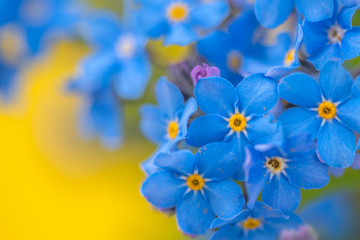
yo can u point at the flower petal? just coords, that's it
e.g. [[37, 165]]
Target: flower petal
[[331, 52], [180, 34], [207, 129], [180, 161], [355, 90], [193, 214], [169, 98], [189, 109], [351, 43], [348, 113], [210, 14], [315, 11], [271, 13], [262, 130], [300, 121], [257, 95], [307, 173], [256, 176], [335, 81], [225, 198], [153, 123], [227, 233], [336, 144], [162, 189], [345, 17], [216, 161], [281, 195], [216, 95], [300, 89], [133, 78]]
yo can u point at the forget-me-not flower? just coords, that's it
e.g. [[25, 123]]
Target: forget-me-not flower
[[332, 38], [167, 123], [280, 171], [238, 115], [327, 112], [197, 186], [180, 21]]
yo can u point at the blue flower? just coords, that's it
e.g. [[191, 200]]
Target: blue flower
[[237, 115], [180, 21], [327, 112], [27, 28], [261, 222], [291, 59], [123, 51], [197, 186], [272, 13], [280, 171], [101, 111], [167, 123], [332, 38], [350, 2], [247, 48]]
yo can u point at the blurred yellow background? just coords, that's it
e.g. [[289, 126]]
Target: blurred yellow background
[[55, 185]]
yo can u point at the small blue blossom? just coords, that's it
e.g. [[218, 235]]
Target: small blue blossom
[[261, 222], [197, 186], [180, 21], [167, 123], [291, 60], [101, 112], [327, 112], [247, 48], [237, 115], [272, 13], [123, 47], [280, 171], [332, 38]]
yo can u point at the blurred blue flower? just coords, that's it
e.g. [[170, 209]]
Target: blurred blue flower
[[101, 111], [180, 21], [197, 186], [261, 222], [123, 51], [167, 123], [327, 112], [272, 13], [350, 2], [280, 171], [237, 115], [247, 48], [27, 28], [332, 38]]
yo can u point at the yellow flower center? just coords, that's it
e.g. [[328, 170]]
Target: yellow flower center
[[327, 110], [251, 223], [195, 182], [237, 122], [289, 57], [234, 61], [173, 129], [177, 12], [275, 164]]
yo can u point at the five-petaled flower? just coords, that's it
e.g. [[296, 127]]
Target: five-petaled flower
[[327, 112], [197, 186]]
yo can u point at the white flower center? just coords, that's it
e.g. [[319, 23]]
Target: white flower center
[[126, 46]]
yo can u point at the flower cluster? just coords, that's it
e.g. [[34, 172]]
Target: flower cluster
[[275, 115], [259, 108]]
